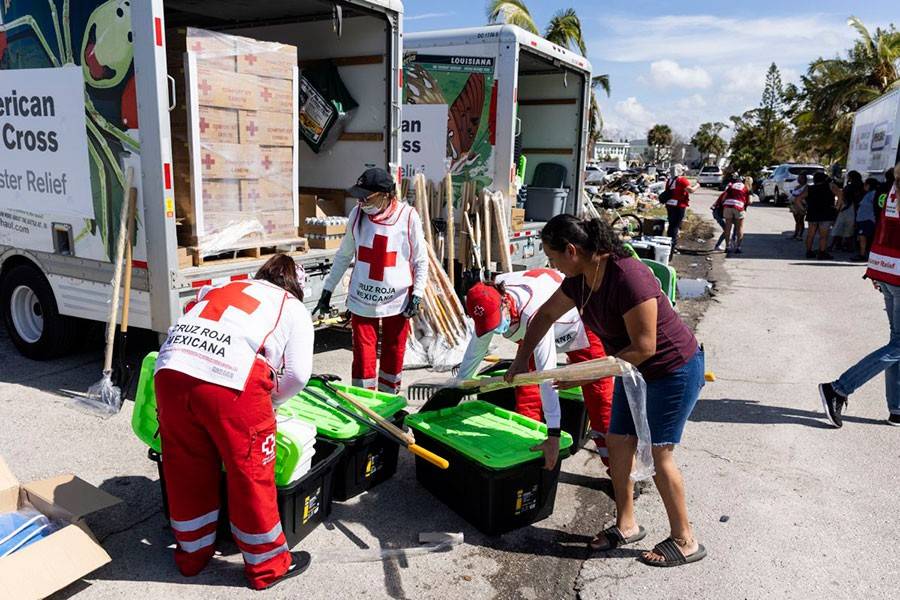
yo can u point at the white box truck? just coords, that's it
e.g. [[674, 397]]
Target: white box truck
[[85, 93], [875, 141], [508, 93]]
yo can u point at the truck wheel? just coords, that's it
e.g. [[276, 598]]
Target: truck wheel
[[31, 316]]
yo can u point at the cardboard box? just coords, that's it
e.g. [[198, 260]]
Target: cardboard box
[[326, 243], [324, 229], [224, 89], [266, 194], [516, 218], [237, 161], [267, 128], [278, 224], [276, 163], [266, 58], [273, 94], [321, 206], [216, 50], [66, 555], [216, 125], [221, 195]]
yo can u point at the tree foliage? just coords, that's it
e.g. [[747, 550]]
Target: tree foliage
[[660, 138], [514, 12], [708, 140]]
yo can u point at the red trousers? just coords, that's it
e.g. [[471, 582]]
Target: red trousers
[[394, 331], [597, 396], [203, 426]]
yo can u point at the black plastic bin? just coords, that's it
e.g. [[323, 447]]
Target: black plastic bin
[[367, 461], [493, 500], [302, 505]]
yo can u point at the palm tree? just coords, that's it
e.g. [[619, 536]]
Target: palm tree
[[659, 138], [564, 29], [834, 89]]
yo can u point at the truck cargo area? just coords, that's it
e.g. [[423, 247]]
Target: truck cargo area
[[549, 128]]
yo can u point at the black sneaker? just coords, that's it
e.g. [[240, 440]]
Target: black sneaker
[[299, 563], [833, 403], [824, 256], [894, 419], [810, 254]]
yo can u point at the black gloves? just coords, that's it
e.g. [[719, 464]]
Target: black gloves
[[324, 305], [412, 307]]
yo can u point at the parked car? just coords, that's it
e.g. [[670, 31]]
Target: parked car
[[783, 180], [710, 176]]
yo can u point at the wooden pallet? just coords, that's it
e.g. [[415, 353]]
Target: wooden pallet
[[291, 246]]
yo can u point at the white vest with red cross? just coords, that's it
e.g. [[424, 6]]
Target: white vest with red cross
[[884, 258], [531, 289], [219, 339], [736, 195], [382, 274]]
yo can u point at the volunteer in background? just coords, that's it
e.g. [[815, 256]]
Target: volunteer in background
[[735, 199], [621, 301], [798, 206], [506, 307], [820, 214], [883, 259], [680, 190], [865, 219], [385, 239], [240, 348]]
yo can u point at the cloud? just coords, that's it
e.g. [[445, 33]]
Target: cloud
[[691, 102], [709, 39], [431, 15], [668, 73], [627, 118]]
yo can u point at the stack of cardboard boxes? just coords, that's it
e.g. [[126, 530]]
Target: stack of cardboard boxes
[[314, 208], [234, 140]]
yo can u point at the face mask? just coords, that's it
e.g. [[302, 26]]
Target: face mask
[[370, 209], [503, 327]]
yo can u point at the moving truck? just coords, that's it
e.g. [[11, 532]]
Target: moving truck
[[875, 141], [86, 93], [508, 93]]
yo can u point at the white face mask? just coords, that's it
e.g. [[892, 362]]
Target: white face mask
[[371, 209]]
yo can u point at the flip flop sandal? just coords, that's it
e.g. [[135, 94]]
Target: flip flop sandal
[[614, 538], [671, 552]]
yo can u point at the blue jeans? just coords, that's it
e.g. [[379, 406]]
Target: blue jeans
[[670, 401], [886, 358], [675, 216]]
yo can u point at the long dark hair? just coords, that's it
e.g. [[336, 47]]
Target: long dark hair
[[282, 271], [592, 236]]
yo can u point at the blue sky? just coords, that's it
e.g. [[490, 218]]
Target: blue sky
[[684, 63]]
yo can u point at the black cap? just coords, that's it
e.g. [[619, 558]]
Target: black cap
[[371, 182]]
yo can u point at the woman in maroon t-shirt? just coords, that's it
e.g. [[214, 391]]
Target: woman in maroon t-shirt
[[621, 301]]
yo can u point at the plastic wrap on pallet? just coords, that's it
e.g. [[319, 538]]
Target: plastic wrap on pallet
[[235, 139]]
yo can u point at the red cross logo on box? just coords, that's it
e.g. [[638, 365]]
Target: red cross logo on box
[[377, 257], [219, 299], [250, 58], [267, 162], [204, 125], [204, 88], [266, 94], [208, 161], [252, 128]]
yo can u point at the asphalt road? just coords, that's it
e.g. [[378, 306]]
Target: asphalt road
[[786, 506], [811, 511]]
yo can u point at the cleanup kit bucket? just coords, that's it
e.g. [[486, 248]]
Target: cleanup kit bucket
[[302, 505], [368, 458], [573, 413], [495, 481]]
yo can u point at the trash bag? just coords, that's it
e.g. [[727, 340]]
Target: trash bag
[[326, 106]]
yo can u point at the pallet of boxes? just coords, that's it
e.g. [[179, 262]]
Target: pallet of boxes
[[234, 141]]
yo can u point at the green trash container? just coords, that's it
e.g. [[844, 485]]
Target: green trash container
[[495, 481], [369, 458]]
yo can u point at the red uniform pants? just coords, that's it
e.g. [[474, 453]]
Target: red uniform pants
[[203, 426], [394, 331], [597, 396]]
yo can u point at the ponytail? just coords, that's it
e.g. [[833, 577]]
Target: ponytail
[[591, 236]]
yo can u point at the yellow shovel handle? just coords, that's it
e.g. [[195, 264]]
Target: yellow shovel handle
[[431, 457]]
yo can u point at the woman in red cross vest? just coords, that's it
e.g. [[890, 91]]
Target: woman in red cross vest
[[385, 239], [240, 348]]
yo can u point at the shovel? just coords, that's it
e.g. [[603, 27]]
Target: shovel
[[124, 373]]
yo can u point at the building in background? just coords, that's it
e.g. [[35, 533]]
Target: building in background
[[639, 151], [611, 155]]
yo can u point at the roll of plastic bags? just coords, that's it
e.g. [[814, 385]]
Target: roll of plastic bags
[[22, 528], [636, 392]]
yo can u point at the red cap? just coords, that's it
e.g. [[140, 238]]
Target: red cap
[[483, 305]]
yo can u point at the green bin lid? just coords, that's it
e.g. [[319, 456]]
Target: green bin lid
[[489, 435], [568, 394], [332, 423]]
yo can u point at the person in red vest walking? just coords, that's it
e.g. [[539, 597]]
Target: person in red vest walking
[[240, 347], [386, 240], [680, 190], [735, 200], [506, 307], [884, 271]]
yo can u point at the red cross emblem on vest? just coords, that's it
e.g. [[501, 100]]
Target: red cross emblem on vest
[[548, 272], [219, 299], [377, 257]]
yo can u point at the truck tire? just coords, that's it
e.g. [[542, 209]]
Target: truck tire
[[32, 317]]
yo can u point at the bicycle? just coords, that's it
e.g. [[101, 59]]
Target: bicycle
[[626, 225]]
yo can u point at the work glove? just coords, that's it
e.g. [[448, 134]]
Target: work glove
[[324, 305], [412, 307]]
